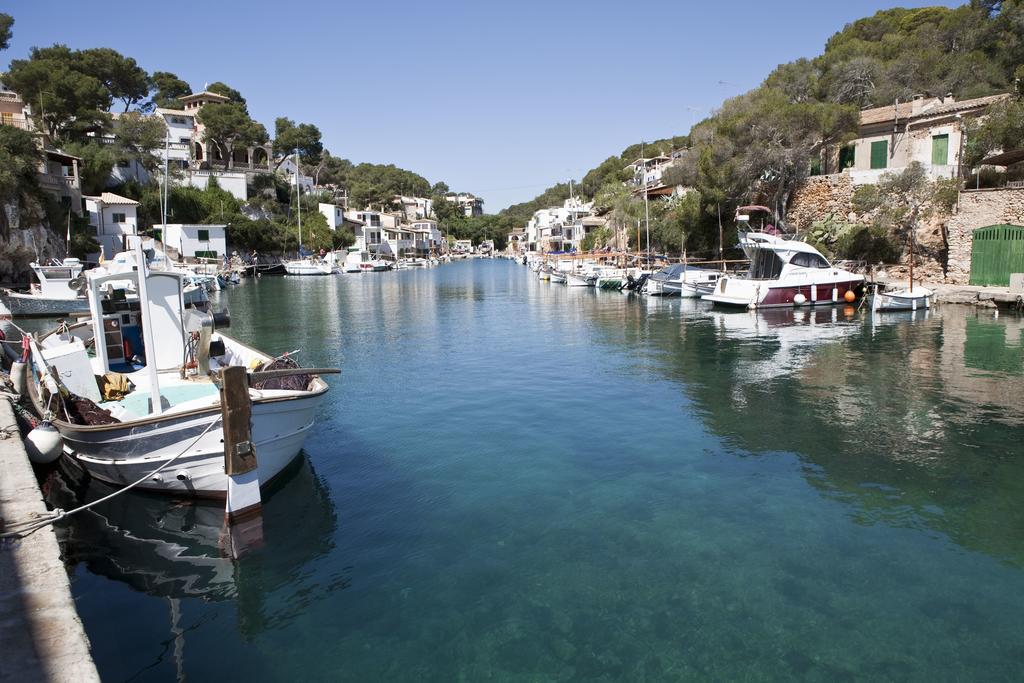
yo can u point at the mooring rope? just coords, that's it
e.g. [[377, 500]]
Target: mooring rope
[[58, 514]]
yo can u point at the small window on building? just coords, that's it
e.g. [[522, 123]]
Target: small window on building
[[203, 235], [940, 150], [879, 154], [118, 218]]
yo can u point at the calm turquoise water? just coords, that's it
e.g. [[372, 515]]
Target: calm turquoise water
[[521, 481]]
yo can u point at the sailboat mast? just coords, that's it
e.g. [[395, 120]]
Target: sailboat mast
[[912, 231], [298, 200], [647, 213]]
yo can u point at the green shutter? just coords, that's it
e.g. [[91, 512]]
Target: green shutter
[[879, 154], [940, 150], [997, 251]]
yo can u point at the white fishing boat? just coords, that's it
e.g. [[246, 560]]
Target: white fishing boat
[[783, 272], [158, 361], [910, 298], [558, 276], [312, 265], [907, 299], [55, 293]]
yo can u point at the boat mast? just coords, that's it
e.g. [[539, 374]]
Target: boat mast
[[647, 214], [912, 231], [298, 199]]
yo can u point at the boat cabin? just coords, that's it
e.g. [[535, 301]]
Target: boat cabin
[[55, 279]]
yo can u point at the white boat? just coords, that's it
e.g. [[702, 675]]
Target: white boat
[[681, 279], [311, 266], [907, 299], [411, 263], [784, 272], [169, 408], [580, 278], [558, 276], [56, 292]]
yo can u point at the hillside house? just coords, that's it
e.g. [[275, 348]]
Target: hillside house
[[113, 219]]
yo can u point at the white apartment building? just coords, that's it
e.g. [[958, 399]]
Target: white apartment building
[[113, 219], [334, 214], [429, 239]]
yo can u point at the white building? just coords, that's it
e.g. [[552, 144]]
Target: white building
[[334, 214], [287, 169], [559, 228], [463, 247], [369, 227], [928, 130], [113, 218], [414, 208], [194, 241], [429, 239], [471, 205]]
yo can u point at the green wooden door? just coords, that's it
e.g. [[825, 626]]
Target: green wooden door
[[997, 251], [940, 150], [879, 154]]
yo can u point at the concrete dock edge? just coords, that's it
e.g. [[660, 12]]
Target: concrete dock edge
[[42, 636]]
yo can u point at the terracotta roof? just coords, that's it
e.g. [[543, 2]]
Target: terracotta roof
[[111, 199], [930, 108]]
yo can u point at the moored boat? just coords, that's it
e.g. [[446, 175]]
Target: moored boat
[[162, 405]]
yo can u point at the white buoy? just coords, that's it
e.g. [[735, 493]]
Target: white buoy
[[799, 299], [19, 377], [44, 443]]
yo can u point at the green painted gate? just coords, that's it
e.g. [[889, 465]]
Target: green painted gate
[[997, 251]]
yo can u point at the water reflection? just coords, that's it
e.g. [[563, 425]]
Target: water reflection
[[915, 420], [177, 549]]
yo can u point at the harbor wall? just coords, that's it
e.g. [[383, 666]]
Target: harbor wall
[[820, 197], [42, 636], [979, 209]]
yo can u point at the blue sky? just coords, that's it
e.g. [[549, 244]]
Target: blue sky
[[500, 99]]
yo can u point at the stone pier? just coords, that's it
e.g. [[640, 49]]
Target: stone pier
[[41, 635]]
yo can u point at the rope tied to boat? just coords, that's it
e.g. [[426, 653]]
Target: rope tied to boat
[[58, 514]]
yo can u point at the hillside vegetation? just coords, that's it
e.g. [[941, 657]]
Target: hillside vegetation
[[759, 146]]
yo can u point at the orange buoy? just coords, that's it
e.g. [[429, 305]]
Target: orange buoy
[[850, 296]]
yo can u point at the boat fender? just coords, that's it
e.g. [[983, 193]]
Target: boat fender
[[44, 443], [799, 299], [127, 348], [19, 377], [850, 296]]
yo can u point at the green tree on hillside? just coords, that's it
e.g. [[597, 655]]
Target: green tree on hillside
[[123, 78], [227, 91], [168, 88], [19, 161], [228, 126], [304, 137], [6, 24], [67, 102]]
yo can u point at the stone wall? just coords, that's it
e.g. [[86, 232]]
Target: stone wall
[[978, 209], [818, 197]]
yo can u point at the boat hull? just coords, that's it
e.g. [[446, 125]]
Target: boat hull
[[122, 453], [577, 280], [903, 300], [739, 293], [29, 306]]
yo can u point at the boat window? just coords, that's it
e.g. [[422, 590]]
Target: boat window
[[765, 265], [809, 260]]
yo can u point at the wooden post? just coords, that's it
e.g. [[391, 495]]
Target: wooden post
[[243, 505]]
